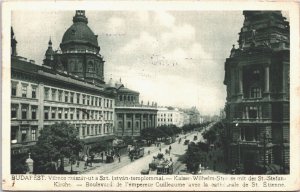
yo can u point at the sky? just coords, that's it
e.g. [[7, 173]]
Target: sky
[[174, 58]]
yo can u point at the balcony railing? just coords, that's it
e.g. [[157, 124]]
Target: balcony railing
[[134, 105], [252, 120]]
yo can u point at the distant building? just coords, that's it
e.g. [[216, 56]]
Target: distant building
[[67, 87], [132, 115], [193, 115], [170, 116], [257, 81]]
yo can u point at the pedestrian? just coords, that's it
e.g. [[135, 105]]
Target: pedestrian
[[119, 156], [85, 161], [160, 149], [148, 152], [102, 156], [170, 148]]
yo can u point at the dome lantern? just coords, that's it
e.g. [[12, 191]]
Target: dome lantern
[[80, 17]]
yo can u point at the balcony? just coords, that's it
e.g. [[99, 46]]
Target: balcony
[[252, 120]]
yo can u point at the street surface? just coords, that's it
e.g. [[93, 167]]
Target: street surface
[[125, 166]]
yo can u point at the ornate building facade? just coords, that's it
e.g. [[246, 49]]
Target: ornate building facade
[[257, 81], [132, 115], [67, 87], [170, 116]]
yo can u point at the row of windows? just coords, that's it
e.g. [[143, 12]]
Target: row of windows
[[78, 98], [252, 112], [164, 115], [62, 96], [24, 90], [23, 135], [164, 120], [127, 98], [79, 114], [24, 112], [92, 130], [59, 113]]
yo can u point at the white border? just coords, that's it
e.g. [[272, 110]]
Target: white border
[[292, 182]]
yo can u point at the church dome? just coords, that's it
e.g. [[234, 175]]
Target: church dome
[[80, 32]]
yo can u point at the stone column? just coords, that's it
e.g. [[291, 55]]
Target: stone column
[[40, 112], [260, 112], [50, 94], [267, 80], [142, 124], [19, 111], [240, 129], [148, 119], [284, 77], [50, 113], [241, 81], [63, 113], [80, 130], [124, 124], [133, 124], [247, 112], [19, 89], [19, 134], [29, 133], [253, 133], [152, 123], [155, 121]]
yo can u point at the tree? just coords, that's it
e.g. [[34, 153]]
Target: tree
[[149, 134], [196, 154], [55, 142], [18, 165], [193, 158], [210, 136]]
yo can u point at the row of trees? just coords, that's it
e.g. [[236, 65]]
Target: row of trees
[[194, 127], [215, 132], [160, 133], [197, 153]]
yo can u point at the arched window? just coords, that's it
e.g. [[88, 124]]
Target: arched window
[[90, 67]]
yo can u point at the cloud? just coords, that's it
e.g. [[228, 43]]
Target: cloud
[[164, 19], [144, 43], [115, 25], [173, 58]]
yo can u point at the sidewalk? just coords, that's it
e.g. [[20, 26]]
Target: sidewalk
[[102, 167]]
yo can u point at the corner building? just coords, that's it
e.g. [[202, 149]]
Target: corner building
[[67, 87], [257, 107]]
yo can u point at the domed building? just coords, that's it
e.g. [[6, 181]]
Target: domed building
[[79, 52], [68, 87]]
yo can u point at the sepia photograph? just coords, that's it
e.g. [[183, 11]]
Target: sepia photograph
[[151, 92]]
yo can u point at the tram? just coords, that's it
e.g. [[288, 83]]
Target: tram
[[165, 168]]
